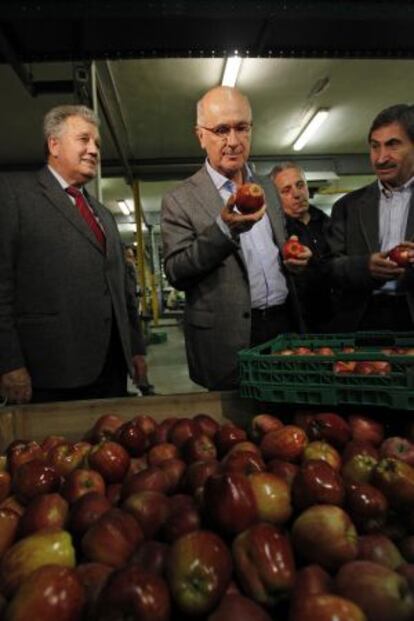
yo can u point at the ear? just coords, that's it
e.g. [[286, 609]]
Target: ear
[[200, 135], [53, 145]]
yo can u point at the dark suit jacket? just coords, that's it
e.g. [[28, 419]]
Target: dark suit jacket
[[58, 292], [353, 235], [201, 260]]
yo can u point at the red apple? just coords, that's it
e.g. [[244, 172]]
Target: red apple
[[379, 549], [230, 502], [93, 577], [357, 447], [86, 510], [146, 423], [113, 493], [5, 485], [49, 442], [227, 436], [317, 483], [366, 505], [242, 447], [397, 447], [324, 534], [21, 451], [382, 594], [292, 248], [111, 460], [152, 556], [105, 427], [80, 482], [173, 470], [401, 255], [161, 452], [150, 509], [242, 461], [324, 351], [359, 468], [249, 198], [366, 429], [199, 446], [206, 424], [329, 427], [132, 438], [344, 366], [152, 478], [199, 570], [309, 581], [134, 593], [9, 522], [324, 451], [162, 431], [236, 606], [45, 547], [264, 563], [263, 423], [395, 479], [179, 523], [198, 472], [303, 351], [65, 456], [12, 503], [34, 478], [51, 592], [45, 511], [327, 607], [182, 429], [284, 469], [286, 443], [272, 496], [112, 538]]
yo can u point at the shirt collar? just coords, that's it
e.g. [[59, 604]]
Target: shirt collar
[[220, 181], [60, 179], [388, 192]]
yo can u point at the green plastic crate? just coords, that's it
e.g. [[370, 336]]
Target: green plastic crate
[[310, 380]]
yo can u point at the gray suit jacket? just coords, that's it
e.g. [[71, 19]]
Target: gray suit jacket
[[58, 292], [209, 267], [353, 235]]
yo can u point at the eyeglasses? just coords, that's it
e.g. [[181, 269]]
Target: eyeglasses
[[223, 131]]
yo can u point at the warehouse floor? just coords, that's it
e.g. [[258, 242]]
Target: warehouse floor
[[167, 364]]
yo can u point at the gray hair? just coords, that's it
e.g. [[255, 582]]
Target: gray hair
[[285, 166], [56, 117]]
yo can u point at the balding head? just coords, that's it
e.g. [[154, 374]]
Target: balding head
[[223, 128]]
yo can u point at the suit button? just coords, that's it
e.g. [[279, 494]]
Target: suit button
[[246, 315]]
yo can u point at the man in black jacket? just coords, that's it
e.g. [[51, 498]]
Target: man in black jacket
[[309, 224]]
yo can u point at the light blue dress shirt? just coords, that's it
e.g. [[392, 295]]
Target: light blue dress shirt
[[261, 255]]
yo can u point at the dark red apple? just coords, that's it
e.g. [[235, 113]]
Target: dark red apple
[[162, 431], [161, 452], [182, 429], [21, 451], [230, 502], [134, 593], [179, 523], [207, 424], [357, 447], [263, 423], [93, 577], [382, 594], [401, 255], [398, 447], [284, 469], [199, 570], [249, 198], [329, 427], [366, 429], [344, 366], [111, 460], [292, 248], [324, 534], [199, 446], [227, 436], [317, 483], [152, 478], [395, 479], [132, 438], [5, 485], [45, 511], [66, 456], [198, 472], [9, 522], [324, 451], [359, 468], [328, 607], [51, 592], [286, 443], [80, 482], [146, 423], [112, 539], [242, 461], [379, 549], [150, 509], [86, 510], [34, 478], [236, 606], [366, 505], [152, 556], [105, 427], [264, 563]]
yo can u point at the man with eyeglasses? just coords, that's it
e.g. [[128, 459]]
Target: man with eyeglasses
[[239, 292]]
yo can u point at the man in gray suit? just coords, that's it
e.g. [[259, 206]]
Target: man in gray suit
[[65, 329], [238, 290], [374, 293]]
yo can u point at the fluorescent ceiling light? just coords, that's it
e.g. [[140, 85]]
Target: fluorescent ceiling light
[[123, 206], [231, 71], [310, 129]]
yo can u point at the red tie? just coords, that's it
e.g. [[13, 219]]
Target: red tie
[[87, 214]]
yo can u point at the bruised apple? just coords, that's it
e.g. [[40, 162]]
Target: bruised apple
[[249, 198]]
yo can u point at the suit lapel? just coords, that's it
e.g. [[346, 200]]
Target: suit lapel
[[409, 233], [369, 217], [274, 210], [59, 199], [207, 194]]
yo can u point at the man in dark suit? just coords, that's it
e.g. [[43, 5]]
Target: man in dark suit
[[65, 329], [308, 224], [238, 290], [374, 293]]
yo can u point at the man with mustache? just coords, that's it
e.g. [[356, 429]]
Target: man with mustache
[[238, 290], [374, 293], [309, 224]]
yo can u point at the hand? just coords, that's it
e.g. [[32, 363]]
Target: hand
[[16, 386], [140, 369], [237, 222], [300, 263], [383, 268]]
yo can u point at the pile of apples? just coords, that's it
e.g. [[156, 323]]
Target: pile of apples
[[301, 517]]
